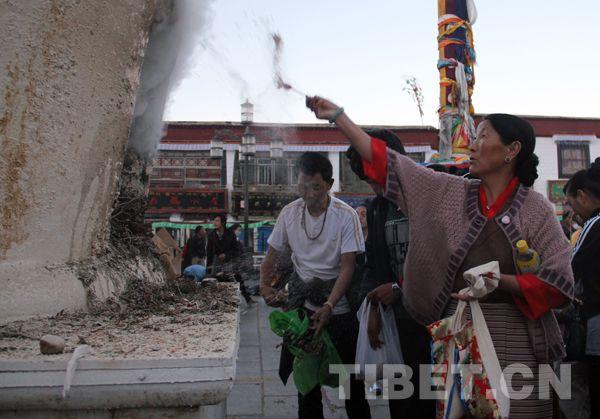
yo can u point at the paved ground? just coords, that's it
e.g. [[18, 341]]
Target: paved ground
[[258, 392]]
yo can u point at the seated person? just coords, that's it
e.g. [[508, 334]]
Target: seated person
[[195, 272]]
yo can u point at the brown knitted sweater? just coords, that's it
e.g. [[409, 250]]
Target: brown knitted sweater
[[445, 221]]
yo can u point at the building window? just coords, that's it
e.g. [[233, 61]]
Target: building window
[[288, 167], [265, 171], [293, 172], [572, 157], [194, 169], [171, 173], [162, 184]]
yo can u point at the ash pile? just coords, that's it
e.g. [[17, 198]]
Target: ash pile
[[138, 306]]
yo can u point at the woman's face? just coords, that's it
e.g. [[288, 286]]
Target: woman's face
[[488, 153], [580, 203]]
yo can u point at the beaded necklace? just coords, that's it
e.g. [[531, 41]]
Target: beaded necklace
[[322, 225]]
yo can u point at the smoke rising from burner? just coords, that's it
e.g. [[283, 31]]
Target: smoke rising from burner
[[178, 31]]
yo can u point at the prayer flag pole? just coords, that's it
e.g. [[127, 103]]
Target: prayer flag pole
[[455, 64]]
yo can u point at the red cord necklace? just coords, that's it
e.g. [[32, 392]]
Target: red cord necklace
[[491, 211]]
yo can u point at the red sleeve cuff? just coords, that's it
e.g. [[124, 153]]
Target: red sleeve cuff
[[538, 297], [376, 169]]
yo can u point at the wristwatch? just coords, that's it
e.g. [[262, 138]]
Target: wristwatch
[[396, 290]]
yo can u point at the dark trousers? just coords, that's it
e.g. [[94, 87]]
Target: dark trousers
[[243, 289], [593, 363], [416, 349], [343, 330]]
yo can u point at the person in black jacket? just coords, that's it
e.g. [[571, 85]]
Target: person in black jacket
[[226, 258], [222, 246], [583, 195], [386, 247], [194, 252]]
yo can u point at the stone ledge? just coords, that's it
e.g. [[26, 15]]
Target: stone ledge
[[28, 385]]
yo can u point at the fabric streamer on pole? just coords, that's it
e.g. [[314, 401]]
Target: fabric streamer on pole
[[457, 78]]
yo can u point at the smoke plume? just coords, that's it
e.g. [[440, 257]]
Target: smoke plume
[[177, 33]]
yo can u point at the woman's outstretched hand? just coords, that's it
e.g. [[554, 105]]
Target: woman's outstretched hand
[[323, 108], [326, 109]]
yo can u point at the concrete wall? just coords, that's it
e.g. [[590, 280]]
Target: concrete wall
[[334, 158], [69, 74], [545, 148]]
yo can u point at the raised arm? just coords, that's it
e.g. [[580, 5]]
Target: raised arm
[[410, 186], [325, 109]]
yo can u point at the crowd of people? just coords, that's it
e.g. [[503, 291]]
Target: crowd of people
[[409, 248]]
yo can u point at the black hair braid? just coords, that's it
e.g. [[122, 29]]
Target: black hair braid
[[513, 128], [594, 170], [526, 169]]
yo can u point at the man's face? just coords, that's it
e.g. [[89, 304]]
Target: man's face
[[312, 188], [217, 222]]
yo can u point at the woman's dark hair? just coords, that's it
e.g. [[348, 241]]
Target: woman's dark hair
[[391, 140], [235, 226], [586, 179], [512, 128], [222, 217], [311, 163]]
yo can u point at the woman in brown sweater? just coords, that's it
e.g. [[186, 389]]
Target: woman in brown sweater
[[458, 223]]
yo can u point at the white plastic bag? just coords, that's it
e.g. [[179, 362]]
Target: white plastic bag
[[481, 281], [389, 353]]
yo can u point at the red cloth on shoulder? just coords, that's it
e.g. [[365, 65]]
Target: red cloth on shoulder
[[491, 211], [376, 169], [538, 297]]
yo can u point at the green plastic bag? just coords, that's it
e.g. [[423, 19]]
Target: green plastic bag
[[283, 322], [312, 354]]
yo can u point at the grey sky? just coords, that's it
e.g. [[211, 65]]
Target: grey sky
[[534, 57]]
